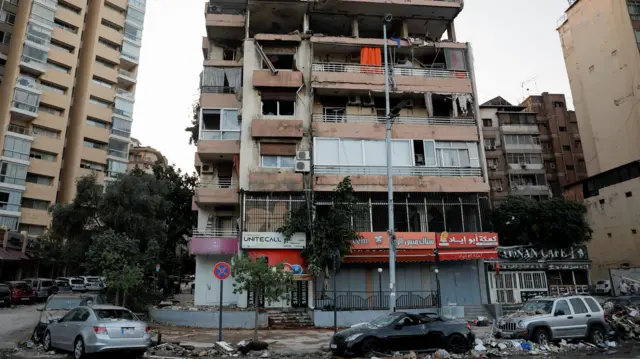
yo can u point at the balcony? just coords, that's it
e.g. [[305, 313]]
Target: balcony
[[529, 190], [128, 59], [25, 104], [272, 180], [125, 94], [216, 145], [218, 191], [32, 65], [24, 132], [224, 23], [405, 179], [352, 76], [373, 127], [276, 128], [520, 129], [218, 97], [444, 10], [266, 78], [127, 78], [214, 241]]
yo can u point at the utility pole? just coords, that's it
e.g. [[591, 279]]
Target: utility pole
[[392, 235]]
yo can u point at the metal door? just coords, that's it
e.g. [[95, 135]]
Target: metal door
[[300, 294], [562, 325]]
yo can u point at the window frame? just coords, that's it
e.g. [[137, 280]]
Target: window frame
[[278, 161]]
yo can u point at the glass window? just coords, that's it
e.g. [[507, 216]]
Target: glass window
[[16, 148], [326, 151], [60, 46], [130, 50], [123, 107], [132, 32], [35, 54], [562, 305], [118, 148], [97, 81], [375, 153], [430, 154], [35, 204], [9, 222], [94, 144], [351, 152], [401, 153], [57, 67], [39, 179], [117, 167], [99, 102], [120, 127], [96, 123], [42, 13], [53, 88], [42, 155], [135, 16], [278, 161], [13, 173], [25, 100], [50, 110], [41, 131], [592, 304], [578, 306], [10, 200], [8, 17]]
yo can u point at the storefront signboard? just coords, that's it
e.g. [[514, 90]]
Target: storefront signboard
[[272, 240], [404, 240], [529, 253], [451, 240]]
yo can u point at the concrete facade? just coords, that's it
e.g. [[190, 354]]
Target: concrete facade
[[67, 74]]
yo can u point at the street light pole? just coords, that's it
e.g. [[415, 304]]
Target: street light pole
[[392, 235], [380, 287]]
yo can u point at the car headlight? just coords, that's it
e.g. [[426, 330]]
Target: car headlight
[[521, 324], [353, 337], [44, 320]]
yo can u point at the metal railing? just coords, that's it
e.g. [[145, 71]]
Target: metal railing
[[217, 89], [15, 154], [31, 61], [398, 171], [220, 183], [19, 129], [557, 290], [116, 153], [373, 69], [9, 207], [120, 132], [126, 73], [132, 37], [414, 120], [219, 135], [354, 300], [224, 233], [28, 82], [125, 93]]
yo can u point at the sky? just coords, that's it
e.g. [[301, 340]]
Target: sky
[[515, 45]]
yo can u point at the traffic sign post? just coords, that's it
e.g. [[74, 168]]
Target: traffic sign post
[[222, 271]]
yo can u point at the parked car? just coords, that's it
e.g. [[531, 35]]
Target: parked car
[[5, 296], [63, 285], [401, 332], [77, 284], [98, 329], [548, 319], [42, 286], [603, 287], [92, 284], [21, 291], [60, 304]]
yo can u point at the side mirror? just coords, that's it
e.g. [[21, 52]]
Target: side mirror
[[40, 309], [558, 312], [397, 326]]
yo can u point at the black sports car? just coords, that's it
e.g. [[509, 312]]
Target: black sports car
[[403, 332]]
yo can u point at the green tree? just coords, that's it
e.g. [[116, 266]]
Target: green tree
[[256, 275], [115, 256], [327, 233], [553, 223], [194, 129]]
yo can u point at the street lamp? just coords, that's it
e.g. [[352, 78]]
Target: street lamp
[[436, 271], [380, 287]]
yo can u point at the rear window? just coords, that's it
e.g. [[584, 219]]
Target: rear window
[[77, 281], [21, 286], [47, 283], [578, 306], [114, 314], [592, 304], [62, 283]]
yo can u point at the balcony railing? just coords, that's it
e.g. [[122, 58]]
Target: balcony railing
[[129, 56], [120, 154], [138, 3], [126, 73], [219, 135], [121, 112], [33, 61], [19, 129], [354, 300], [50, 3], [120, 132], [38, 39], [125, 93], [132, 37], [217, 89], [25, 106], [319, 117], [220, 233], [558, 290], [398, 171], [220, 183], [402, 71]]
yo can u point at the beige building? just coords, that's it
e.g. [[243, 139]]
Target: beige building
[[68, 71], [600, 44], [144, 156]]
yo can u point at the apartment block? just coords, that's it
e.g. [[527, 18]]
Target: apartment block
[[144, 157], [532, 149], [68, 72], [292, 101], [600, 41]]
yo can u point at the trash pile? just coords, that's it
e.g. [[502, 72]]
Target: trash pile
[[624, 321], [219, 349]]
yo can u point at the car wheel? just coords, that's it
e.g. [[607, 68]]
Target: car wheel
[[35, 337], [457, 344], [370, 346], [78, 349], [596, 335], [46, 342], [541, 336]]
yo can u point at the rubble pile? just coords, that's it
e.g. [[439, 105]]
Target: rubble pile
[[624, 321], [219, 349]]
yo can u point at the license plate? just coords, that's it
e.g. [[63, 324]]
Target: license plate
[[24, 298], [334, 346], [127, 331]]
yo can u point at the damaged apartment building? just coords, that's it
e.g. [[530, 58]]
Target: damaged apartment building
[[292, 101]]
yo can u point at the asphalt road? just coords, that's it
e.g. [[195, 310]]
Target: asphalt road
[[17, 323]]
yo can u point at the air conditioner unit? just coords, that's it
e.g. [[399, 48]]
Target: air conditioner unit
[[354, 101], [368, 102], [303, 166], [206, 168], [303, 155], [499, 189]]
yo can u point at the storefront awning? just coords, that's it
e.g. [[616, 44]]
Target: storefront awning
[[466, 254], [382, 256], [6, 256]]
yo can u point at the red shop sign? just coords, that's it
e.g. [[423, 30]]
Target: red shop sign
[[467, 240]]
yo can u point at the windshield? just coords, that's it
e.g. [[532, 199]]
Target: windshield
[[62, 303], [384, 320], [538, 306], [77, 281], [114, 314]]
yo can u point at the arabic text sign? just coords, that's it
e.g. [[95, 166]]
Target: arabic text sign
[[527, 253], [404, 240], [454, 240]]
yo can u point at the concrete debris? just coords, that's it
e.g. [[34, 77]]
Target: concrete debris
[[171, 350]]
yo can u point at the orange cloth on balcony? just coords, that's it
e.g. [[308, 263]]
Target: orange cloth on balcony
[[371, 56]]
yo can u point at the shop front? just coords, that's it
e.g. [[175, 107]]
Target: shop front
[[209, 248], [523, 272], [273, 247], [461, 273]]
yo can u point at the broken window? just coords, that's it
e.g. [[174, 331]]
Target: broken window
[[280, 61], [278, 104], [220, 124], [441, 106]]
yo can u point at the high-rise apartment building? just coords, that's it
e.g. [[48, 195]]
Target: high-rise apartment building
[[68, 71], [532, 149], [600, 41], [292, 101]]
